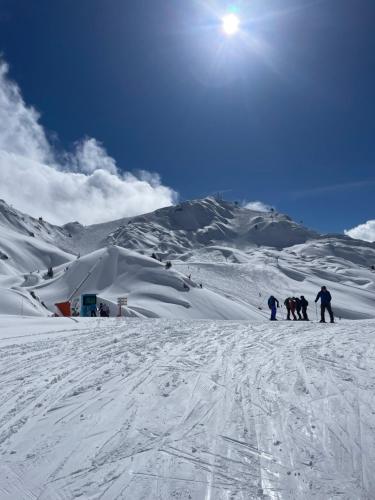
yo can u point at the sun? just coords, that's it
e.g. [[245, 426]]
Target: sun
[[230, 24]]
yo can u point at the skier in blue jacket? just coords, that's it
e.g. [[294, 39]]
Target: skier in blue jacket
[[272, 302], [325, 303]]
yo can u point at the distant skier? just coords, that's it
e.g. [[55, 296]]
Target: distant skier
[[293, 309], [93, 311], [106, 310], [290, 308], [273, 303], [304, 305], [102, 310], [298, 304], [325, 303], [287, 306]]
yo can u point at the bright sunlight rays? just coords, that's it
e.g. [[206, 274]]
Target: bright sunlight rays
[[230, 24]]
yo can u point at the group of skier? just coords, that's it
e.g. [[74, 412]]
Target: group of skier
[[297, 306]]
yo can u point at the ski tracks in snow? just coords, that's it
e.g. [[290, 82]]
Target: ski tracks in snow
[[201, 410]]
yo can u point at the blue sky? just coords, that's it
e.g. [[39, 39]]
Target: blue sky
[[283, 112]]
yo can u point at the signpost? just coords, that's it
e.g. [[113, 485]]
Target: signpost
[[121, 301]]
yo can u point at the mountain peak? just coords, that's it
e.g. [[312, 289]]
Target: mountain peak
[[203, 222]]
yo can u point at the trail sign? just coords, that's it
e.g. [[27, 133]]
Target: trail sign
[[121, 301]]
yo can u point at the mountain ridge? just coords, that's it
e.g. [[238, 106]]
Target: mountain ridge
[[207, 222]]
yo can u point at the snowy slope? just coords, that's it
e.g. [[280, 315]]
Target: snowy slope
[[28, 254], [254, 275], [152, 290], [240, 257], [194, 224], [27, 249], [27, 244], [164, 409], [13, 220]]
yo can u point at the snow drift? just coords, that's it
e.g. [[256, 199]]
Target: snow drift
[[151, 289]]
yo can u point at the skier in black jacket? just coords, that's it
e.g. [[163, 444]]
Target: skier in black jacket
[[298, 307], [325, 303], [304, 305], [287, 305]]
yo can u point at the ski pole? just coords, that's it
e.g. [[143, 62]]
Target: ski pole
[[316, 311]]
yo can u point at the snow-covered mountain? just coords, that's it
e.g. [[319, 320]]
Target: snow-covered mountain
[[13, 220], [194, 224], [239, 256]]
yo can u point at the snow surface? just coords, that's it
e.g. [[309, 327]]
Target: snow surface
[[165, 409], [240, 257], [152, 290], [172, 402]]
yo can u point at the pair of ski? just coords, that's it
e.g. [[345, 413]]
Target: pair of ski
[[307, 321]]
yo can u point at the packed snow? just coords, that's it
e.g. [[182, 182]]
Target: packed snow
[[165, 409]]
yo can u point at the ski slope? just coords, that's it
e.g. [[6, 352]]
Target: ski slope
[[251, 277], [165, 409], [239, 256]]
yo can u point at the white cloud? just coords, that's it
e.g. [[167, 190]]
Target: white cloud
[[89, 156], [87, 186], [20, 131], [60, 196], [364, 231], [258, 206]]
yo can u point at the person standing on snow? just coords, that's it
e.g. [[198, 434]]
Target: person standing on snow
[[298, 307], [287, 305], [304, 305], [290, 308], [325, 303], [272, 304]]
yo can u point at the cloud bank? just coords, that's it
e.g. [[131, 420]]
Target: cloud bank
[[258, 206], [364, 231], [86, 185]]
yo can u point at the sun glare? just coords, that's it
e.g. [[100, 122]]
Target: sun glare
[[230, 24]]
